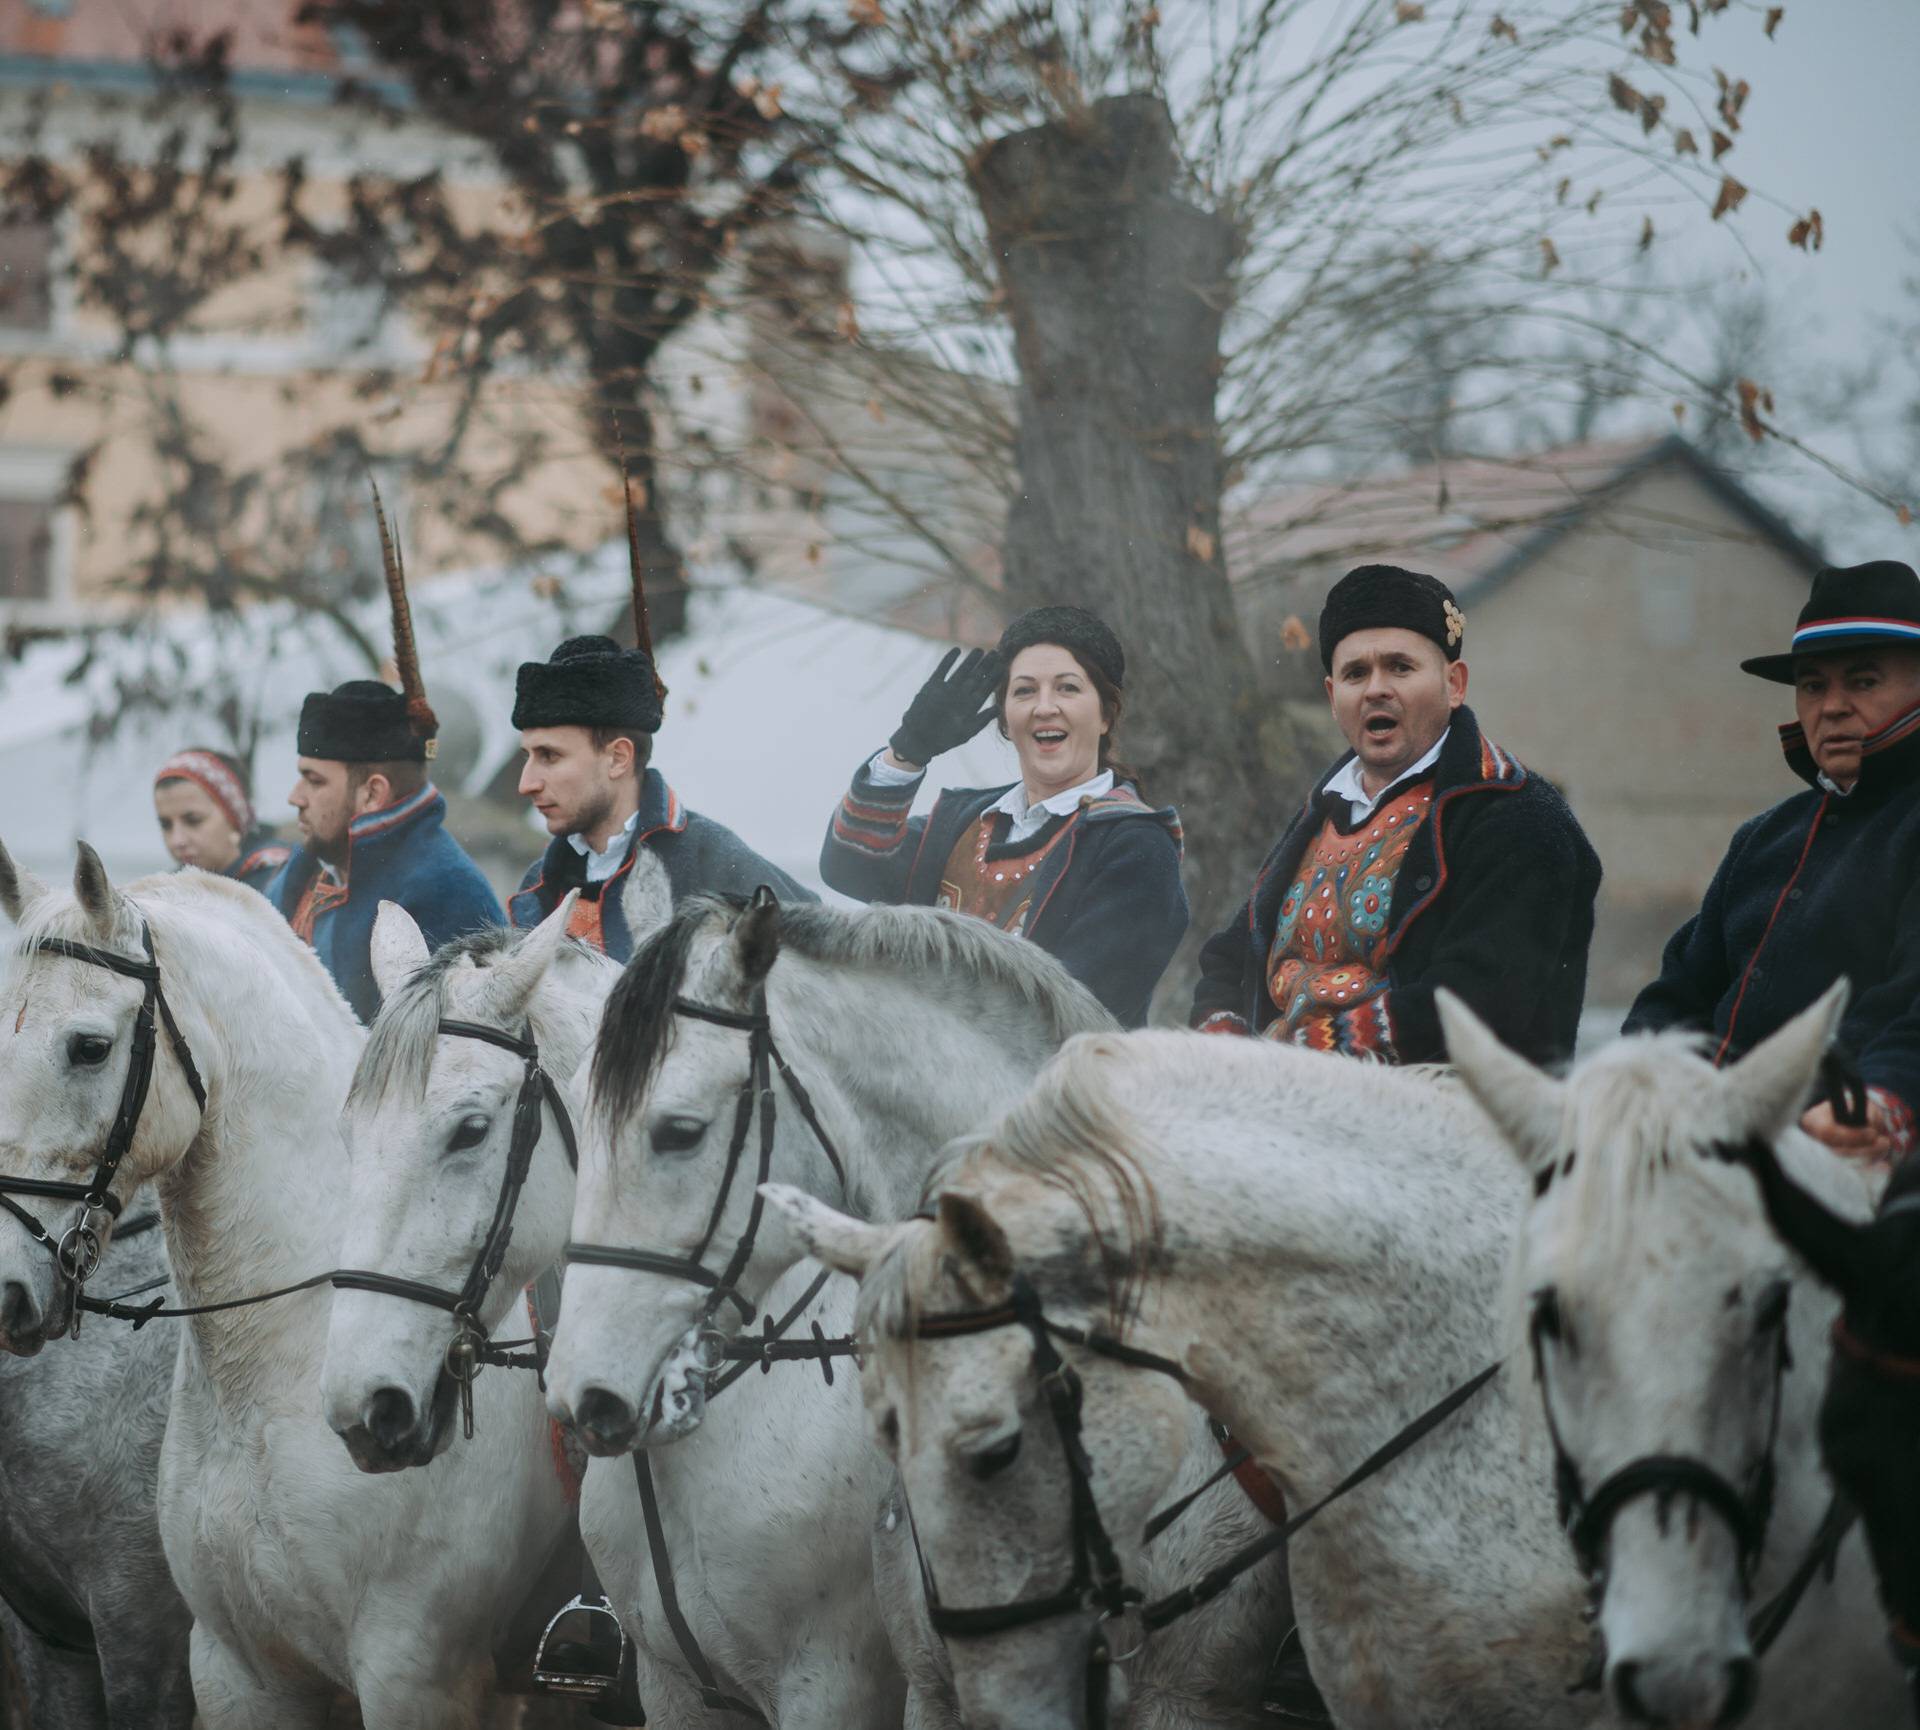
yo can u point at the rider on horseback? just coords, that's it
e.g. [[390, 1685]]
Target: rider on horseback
[[1822, 885]]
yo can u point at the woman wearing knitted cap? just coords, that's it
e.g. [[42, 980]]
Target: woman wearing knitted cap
[[206, 818], [1069, 855]]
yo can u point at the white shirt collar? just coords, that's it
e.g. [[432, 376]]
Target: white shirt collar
[[603, 864], [1833, 787], [1027, 818], [1345, 782]]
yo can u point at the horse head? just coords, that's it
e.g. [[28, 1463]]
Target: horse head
[[456, 1156], [1659, 1315], [1031, 1463], [96, 1093], [691, 1107]]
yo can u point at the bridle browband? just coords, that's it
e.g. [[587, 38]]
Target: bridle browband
[[763, 1058], [1097, 1582], [76, 1252], [471, 1346]]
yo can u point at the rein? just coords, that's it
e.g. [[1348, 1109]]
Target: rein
[[76, 1252], [1097, 1581]]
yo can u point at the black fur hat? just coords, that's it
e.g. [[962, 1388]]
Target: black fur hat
[[1384, 597], [589, 682], [362, 721], [1084, 635]]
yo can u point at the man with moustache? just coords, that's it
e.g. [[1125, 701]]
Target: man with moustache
[[1425, 857], [1826, 884]]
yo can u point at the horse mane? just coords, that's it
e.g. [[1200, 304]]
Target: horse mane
[[405, 1034], [912, 940]]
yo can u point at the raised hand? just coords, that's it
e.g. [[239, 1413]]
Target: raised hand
[[948, 710]]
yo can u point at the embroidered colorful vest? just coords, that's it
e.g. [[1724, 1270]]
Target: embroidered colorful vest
[[1329, 949], [322, 895], [999, 891]]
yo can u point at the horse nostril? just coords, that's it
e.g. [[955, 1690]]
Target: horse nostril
[[1743, 1688], [390, 1416], [1626, 1694], [606, 1416], [18, 1314]]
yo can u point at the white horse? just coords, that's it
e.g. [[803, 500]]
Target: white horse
[[304, 1577], [1659, 1301], [903, 1026], [430, 1122]]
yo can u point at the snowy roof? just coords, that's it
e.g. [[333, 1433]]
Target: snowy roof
[[773, 701]]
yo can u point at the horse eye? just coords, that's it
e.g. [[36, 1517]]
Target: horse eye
[[469, 1132], [1770, 1314], [890, 1431], [84, 1050], [1546, 1313], [677, 1134], [990, 1462]]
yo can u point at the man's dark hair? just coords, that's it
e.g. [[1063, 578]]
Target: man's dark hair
[[642, 743], [405, 777]]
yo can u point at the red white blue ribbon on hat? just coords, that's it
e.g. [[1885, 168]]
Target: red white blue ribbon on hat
[[1821, 630]]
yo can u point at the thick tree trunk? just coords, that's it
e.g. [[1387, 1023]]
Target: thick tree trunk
[[1117, 289]]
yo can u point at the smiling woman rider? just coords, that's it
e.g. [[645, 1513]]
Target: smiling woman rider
[[1070, 855], [205, 809]]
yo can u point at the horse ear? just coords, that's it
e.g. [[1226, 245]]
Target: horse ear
[[512, 980], [845, 1244], [19, 888], [98, 898], [975, 1234], [398, 950], [1766, 1090], [756, 938], [646, 898], [1525, 1103]]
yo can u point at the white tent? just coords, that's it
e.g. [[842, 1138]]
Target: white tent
[[773, 701]]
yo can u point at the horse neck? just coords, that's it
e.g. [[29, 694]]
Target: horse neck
[[240, 1207], [911, 1066]]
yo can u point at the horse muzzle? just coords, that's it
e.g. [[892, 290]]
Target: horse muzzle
[[391, 1433], [23, 1319], [1702, 1694]]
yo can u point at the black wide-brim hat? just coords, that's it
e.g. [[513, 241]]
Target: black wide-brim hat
[[1858, 606], [589, 682], [362, 721]]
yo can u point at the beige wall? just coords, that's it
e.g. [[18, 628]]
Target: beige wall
[[1611, 665]]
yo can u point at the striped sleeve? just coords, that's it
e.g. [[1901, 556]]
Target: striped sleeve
[[872, 839]]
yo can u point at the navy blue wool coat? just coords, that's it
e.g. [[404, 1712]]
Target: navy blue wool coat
[[1108, 903], [1494, 901], [701, 857], [402, 854], [1817, 887], [262, 853]]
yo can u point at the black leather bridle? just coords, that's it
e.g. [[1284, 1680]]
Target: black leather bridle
[[76, 1252], [471, 1345], [763, 1058], [1588, 1517], [1096, 1581]]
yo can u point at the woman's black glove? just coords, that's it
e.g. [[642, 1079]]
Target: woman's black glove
[[947, 712]]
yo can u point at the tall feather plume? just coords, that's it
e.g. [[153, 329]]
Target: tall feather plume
[[642, 626], [406, 655]]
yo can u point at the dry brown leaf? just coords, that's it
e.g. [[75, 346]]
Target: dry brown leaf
[[1294, 634], [694, 143], [1500, 27], [868, 13], [1905, 516], [1593, 203], [1721, 145], [664, 124], [1679, 411], [847, 322], [1732, 195], [1754, 398], [1625, 97], [1650, 112], [1201, 544], [1774, 15], [813, 552], [1549, 257], [1629, 19], [1560, 192], [1646, 233], [1150, 19], [1808, 233], [1657, 46], [768, 102], [1409, 12], [547, 588], [1684, 143]]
